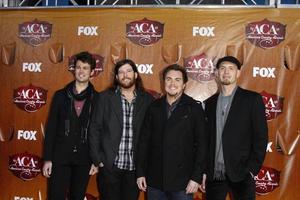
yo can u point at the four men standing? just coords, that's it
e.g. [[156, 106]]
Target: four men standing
[[165, 147]]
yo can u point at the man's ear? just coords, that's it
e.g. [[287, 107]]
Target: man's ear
[[216, 72], [135, 75], [238, 73], [92, 73]]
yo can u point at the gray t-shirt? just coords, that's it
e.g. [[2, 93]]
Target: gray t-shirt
[[223, 107]]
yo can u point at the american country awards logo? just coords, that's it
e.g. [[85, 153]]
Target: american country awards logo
[[199, 67], [144, 32], [86, 197], [266, 180], [30, 98], [25, 166], [99, 64], [265, 34], [273, 105], [36, 32]]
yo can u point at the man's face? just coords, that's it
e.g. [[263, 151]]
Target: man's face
[[126, 76], [82, 72], [174, 85], [228, 73]]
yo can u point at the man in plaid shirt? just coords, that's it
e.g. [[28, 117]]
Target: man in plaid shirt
[[114, 132]]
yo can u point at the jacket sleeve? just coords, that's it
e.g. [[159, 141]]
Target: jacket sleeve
[[95, 130], [143, 145], [51, 128], [259, 135], [200, 145]]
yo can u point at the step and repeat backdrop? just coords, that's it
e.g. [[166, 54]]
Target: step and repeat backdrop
[[37, 48]]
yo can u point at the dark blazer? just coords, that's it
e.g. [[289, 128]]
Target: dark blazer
[[107, 125], [172, 151], [244, 137], [58, 146]]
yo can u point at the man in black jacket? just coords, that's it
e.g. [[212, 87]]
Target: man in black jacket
[[172, 147], [66, 157], [238, 135], [114, 132]]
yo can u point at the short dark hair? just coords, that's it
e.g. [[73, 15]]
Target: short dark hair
[[231, 59], [86, 57], [119, 64], [175, 67]]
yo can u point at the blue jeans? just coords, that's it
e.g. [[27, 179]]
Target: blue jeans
[[156, 194]]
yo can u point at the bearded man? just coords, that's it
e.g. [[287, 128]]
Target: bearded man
[[114, 132]]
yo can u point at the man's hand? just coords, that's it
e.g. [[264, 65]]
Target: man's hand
[[192, 187], [203, 184], [93, 170], [141, 182], [47, 168]]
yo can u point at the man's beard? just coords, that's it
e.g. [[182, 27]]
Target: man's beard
[[226, 82], [128, 84]]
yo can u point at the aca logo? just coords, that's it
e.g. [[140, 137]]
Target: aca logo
[[199, 67], [265, 34], [25, 166], [273, 104], [22, 198], [266, 180], [26, 135], [89, 197], [36, 32], [99, 64], [31, 67], [30, 98], [264, 72], [203, 31], [86, 197], [145, 68], [87, 30], [144, 32]]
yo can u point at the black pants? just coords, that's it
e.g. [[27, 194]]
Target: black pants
[[117, 184], [244, 190], [72, 179]]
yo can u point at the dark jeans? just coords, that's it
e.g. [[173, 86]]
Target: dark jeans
[[156, 194], [243, 190], [117, 184], [72, 179]]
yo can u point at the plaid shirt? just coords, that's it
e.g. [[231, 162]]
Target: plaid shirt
[[124, 159]]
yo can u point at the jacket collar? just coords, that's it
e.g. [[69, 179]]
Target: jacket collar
[[117, 104]]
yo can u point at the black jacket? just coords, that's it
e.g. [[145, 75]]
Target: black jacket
[[65, 129], [172, 151], [244, 137], [107, 125]]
